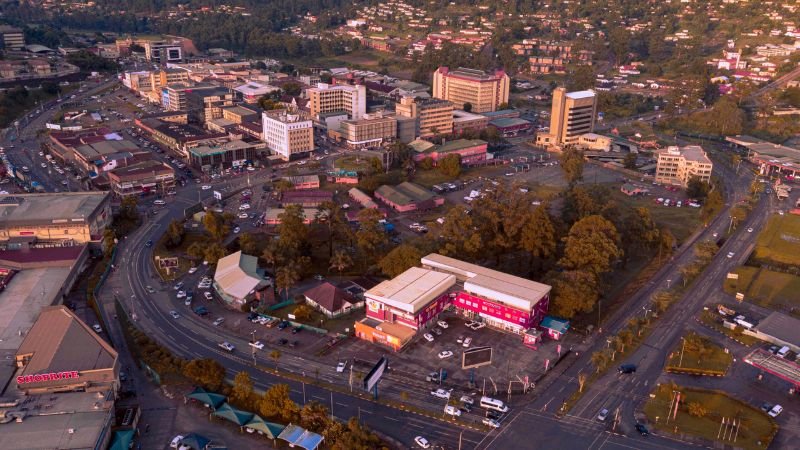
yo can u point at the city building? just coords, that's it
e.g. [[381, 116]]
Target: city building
[[508, 127], [407, 197], [252, 92], [468, 122], [288, 134], [240, 114], [433, 116], [63, 392], [238, 278], [368, 131], [677, 166], [145, 177], [300, 182], [351, 99], [205, 105], [331, 300], [163, 52], [274, 216], [174, 96], [572, 114], [471, 151], [58, 218], [771, 159], [779, 329], [13, 37], [306, 198], [178, 136], [484, 91], [223, 154]]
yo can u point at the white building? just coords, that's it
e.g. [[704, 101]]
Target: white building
[[288, 133], [327, 98]]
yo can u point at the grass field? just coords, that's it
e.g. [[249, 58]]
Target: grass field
[[774, 290], [700, 354], [682, 222], [779, 242], [755, 432]]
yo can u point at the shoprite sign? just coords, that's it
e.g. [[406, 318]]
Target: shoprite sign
[[53, 376]]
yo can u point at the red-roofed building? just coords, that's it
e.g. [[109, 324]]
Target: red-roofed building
[[331, 300]]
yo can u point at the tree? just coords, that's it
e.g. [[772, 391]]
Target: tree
[[467, 107], [580, 202], [450, 165], [592, 245], [175, 233], [242, 391], [499, 217], [583, 77], [641, 231], [271, 254], [712, 206], [459, 235], [697, 409], [215, 226], [196, 250], [109, 241], [572, 165], [248, 244], [618, 40], [330, 217], [574, 291], [340, 261], [630, 161], [538, 236], [371, 237], [213, 252], [302, 313], [400, 259], [275, 355], [666, 243], [426, 163], [277, 405], [128, 208], [206, 372], [286, 277], [662, 300], [600, 360], [581, 381], [292, 232], [315, 417], [697, 189], [292, 88]]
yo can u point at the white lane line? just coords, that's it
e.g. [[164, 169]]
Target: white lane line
[[341, 404], [391, 418]]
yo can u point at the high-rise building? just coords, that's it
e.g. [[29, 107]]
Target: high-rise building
[[288, 133], [573, 114], [677, 166], [433, 116], [484, 91], [205, 105], [327, 98], [162, 52], [370, 130], [13, 38]]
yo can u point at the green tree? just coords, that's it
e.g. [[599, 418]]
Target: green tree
[[214, 251], [371, 237], [271, 254], [215, 226], [286, 277], [450, 165], [641, 231], [196, 250], [662, 300], [175, 233], [400, 259], [302, 313], [330, 218], [467, 107], [109, 241], [242, 391], [697, 189], [574, 291], [292, 88], [619, 39], [276, 404], [315, 417], [128, 208], [426, 163], [459, 235], [580, 202], [292, 232], [340, 261], [583, 77], [275, 355], [600, 360], [205, 372], [630, 161], [572, 164], [500, 217], [248, 244], [592, 245], [538, 236], [712, 206], [666, 243]]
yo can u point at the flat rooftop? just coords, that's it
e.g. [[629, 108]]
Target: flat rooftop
[[27, 209], [413, 289], [581, 94]]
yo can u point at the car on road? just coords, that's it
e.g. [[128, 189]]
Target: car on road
[[775, 411], [341, 366], [192, 270], [451, 410], [467, 400], [176, 441], [642, 429], [149, 289], [441, 393], [442, 324], [236, 230], [178, 285], [749, 230], [428, 337], [148, 244], [181, 294], [445, 354], [205, 187], [227, 346], [188, 301], [208, 296], [603, 415], [283, 341], [159, 202], [218, 321], [419, 440], [243, 215], [244, 206], [96, 328], [174, 314], [437, 331], [730, 254], [627, 368], [201, 311], [204, 285], [283, 325], [467, 342], [766, 407], [257, 344], [492, 414], [43, 165], [491, 422]]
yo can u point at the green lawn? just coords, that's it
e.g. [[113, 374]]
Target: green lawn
[[755, 432], [318, 320], [774, 290], [714, 321], [779, 241], [698, 354], [183, 263], [682, 222]]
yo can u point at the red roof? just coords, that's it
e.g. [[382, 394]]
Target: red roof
[[330, 297], [33, 255]]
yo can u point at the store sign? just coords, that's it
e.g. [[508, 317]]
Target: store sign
[[52, 376]]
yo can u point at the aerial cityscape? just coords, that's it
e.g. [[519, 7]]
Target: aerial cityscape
[[399, 224]]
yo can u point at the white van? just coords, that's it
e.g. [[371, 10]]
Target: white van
[[782, 352], [159, 202], [493, 404]]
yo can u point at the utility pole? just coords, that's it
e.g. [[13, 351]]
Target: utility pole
[[253, 348], [359, 411], [683, 346]]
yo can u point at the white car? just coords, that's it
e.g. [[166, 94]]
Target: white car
[[174, 314], [491, 422], [192, 269], [257, 344], [341, 366], [478, 325], [445, 354], [730, 254], [602, 415], [749, 230], [452, 411], [467, 341], [227, 346], [428, 337], [775, 411], [205, 187], [244, 206], [181, 294], [242, 215], [466, 399], [44, 166], [441, 393], [219, 321], [442, 324], [176, 441], [96, 328], [422, 442], [236, 230], [208, 296]]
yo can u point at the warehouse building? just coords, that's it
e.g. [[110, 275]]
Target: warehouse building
[[59, 218], [407, 197]]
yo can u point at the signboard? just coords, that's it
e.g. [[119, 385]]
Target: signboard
[[375, 374], [291, 316], [167, 263], [733, 276], [218, 195], [476, 357], [53, 376], [739, 296]]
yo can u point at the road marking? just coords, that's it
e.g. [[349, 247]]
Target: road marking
[[391, 418], [414, 425], [341, 404]]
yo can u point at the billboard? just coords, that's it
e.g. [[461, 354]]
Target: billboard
[[218, 195], [375, 374], [476, 357]]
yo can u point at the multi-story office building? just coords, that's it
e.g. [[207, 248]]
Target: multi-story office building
[[13, 38], [433, 116], [289, 134], [205, 105], [142, 178], [162, 52], [173, 97], [572, 115], [327, 98], [371, 130], [223, 154], [677, 166], [484, 91]]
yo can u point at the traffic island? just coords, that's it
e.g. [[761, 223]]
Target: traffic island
[[697, 355], [710, 416]]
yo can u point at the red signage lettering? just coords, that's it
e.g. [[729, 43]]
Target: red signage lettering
[[52, 376]]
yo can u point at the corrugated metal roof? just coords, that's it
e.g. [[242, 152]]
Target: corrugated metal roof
[[236, 274], [413, 289]]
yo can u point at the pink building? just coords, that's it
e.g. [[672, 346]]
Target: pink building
[[407, 197], [472, 151]]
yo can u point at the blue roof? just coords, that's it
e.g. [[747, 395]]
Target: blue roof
[[272, 430], [555, 324], [209, 398], [301, 437], [122, 440], [236, 416], [195, 441]]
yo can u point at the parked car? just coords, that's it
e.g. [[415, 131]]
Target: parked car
[[467, 400], [775, 411], [437, 331], [442, 324], [478, 325], [441, 393], [201, 311], [283, 325], [419, 440], [208, 295], [176, 441], [467, 342], [428, 337], [192, 270], [766, 407], [491, 423], [218, 321], [492, 414], [445, 354], [96, 328]]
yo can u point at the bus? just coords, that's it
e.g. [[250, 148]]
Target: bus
[[494, 404]]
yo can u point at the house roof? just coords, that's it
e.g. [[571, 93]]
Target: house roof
[[234, 415], [329, 297], [270, 429], [781, 326], [413, 289], [297, 436], [555, 324], [405, 193], [237, 274], [59, 341]]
